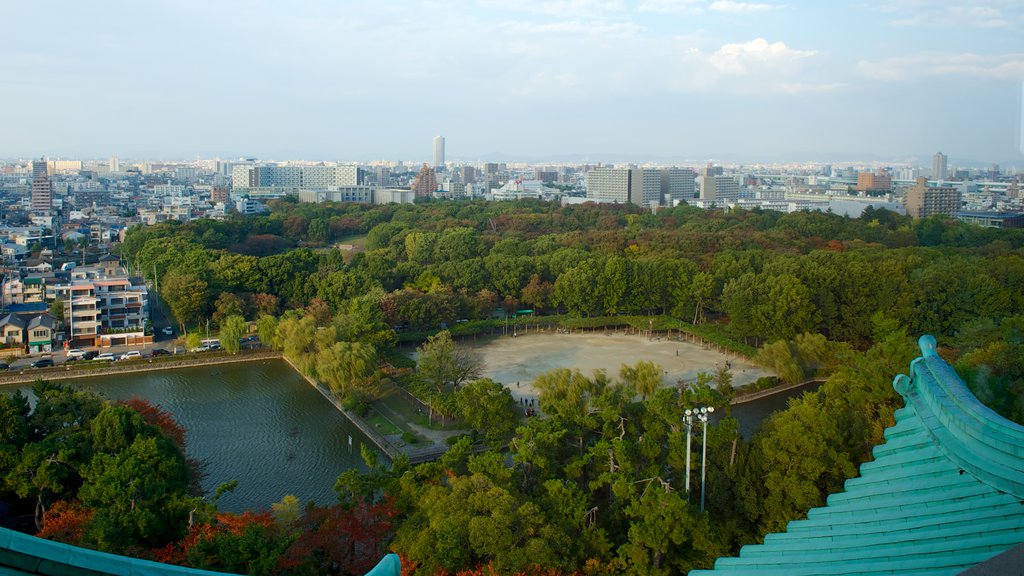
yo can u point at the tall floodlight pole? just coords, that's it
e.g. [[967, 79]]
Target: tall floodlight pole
[[705, 411], [689, 428]]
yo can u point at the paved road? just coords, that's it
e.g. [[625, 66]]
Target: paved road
[[60, 356]]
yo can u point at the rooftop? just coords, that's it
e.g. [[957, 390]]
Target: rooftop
[[943, 494]]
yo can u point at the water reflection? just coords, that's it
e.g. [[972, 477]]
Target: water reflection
[[259, 423]]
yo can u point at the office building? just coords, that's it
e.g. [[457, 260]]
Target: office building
[[924, 200], [468, 174], [114, 165], [939, 166], [438, 152]]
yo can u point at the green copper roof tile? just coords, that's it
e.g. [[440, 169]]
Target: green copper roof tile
[[944, 492]]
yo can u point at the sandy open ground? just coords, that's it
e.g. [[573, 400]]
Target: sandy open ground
[[512, 360]]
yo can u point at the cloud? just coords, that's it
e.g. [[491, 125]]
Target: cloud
[[687, 7], [946, 14], [568, 8], [938, 64], [739, 59], [733, 7]]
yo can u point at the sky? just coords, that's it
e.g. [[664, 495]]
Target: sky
[[529, 80]]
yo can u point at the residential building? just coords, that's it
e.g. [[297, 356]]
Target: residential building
[[677, 184], [40, 332], [719, 189], [924, 200], [103, 306], [873, 182], [610, 184], [12, 331], [939, 166], [42, 188], [425, 183]]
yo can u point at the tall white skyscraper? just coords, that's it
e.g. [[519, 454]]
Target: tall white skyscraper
[[438, 151], [939, 166], [114, 165]]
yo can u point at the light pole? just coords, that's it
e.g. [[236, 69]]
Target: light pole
[[704, 412], [689, 428]]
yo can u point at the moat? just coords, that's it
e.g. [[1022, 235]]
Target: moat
[[258, 422]]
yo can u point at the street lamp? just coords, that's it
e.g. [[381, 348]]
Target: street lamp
[[689, 428], [703, 414]]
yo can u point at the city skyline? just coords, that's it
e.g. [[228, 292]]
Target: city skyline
[[683, 80]]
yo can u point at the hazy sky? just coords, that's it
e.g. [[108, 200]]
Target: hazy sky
[[526, 79]]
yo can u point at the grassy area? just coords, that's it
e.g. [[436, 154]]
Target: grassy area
[[382, 424], [410, 411]]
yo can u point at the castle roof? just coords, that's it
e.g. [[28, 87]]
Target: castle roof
[[943, 494]]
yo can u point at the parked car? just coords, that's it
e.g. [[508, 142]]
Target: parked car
[[5, 366], [106, 356], [131, 355], [160, 352], [43, 363], [90, 355], [75, 353], [168, 331]]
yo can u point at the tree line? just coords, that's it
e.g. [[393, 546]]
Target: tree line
[[597, 486]]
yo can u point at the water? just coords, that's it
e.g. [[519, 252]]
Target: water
[[751, 415], [259, 423]]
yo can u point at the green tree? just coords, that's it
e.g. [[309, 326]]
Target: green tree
[[231, 331], [446, 365], [488, 407], [266, 329], [186, 293], [57, 309], [643, 378], [137, 495], [228, 304], [349, 369]]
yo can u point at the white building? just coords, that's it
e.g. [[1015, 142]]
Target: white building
[[438, 151]]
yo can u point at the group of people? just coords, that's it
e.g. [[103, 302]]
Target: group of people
[[527, 404]]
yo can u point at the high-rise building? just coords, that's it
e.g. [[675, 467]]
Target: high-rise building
[[114, 165], [468, 174], [645, 188], [677, 184], [924, 201], [438, 152], [609, 184], [939, 166], [42, 188], [640, 186], [425, 183], [719, 188]]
